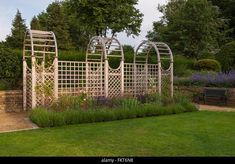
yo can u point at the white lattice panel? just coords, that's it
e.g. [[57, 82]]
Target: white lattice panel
[[152, 78], [166, 82], [28, 88], [141, 81], [129, 79], [44, 87], [95, 79], [71, 77], [114, 82]]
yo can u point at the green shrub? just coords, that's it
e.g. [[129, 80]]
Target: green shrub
[[57, 119], [154, 98], [207, 64], [41, 117], [129, 103], [183, 66], [10, 68], [185, 102], [71, 102], [207, 56], [226, 56], [72, 55]]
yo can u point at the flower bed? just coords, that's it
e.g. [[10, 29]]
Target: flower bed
[[209, 79], [112, 109]]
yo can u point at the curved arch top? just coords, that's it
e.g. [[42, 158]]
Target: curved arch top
[[39, 44], [102, 48], [162, 50]]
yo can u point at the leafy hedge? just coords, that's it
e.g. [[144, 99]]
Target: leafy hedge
[[10, 68], [207, 64]]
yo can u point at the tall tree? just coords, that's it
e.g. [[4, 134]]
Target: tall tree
[[34, 24], [43, 20], [15, 40], [227, 8], [102, 16], [190, 27], [57, 23]]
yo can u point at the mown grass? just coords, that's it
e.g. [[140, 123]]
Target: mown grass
[[201, 133]]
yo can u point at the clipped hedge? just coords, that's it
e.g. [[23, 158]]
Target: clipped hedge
[[207, 64]]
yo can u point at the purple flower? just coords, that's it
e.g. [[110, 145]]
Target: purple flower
[[212, 79]]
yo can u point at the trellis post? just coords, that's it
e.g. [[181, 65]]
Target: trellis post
[[34, 74], [172, 76], [146, 77], [122, 77], [24, 83], [106, 77], [159, 78], [55, 68], [56, 77]]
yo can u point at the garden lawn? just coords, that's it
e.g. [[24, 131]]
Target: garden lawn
[[203, 133]]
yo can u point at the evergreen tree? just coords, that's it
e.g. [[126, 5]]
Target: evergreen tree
[[15, 40], [43, 20], [34, 24], [56, 22]]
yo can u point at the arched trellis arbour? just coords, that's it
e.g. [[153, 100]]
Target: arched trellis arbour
[[40, 69], [104, 80], [163, 79], [45, 78]]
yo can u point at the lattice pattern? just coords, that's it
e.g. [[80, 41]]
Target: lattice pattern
[[44, 87], [95, 79], [141, 79], [166, 83], [94, 76], [152, 78], [114, 82], [71, 77], [40, 55], [28, 88], [129, 79]]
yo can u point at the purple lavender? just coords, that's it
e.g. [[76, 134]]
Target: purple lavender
[[213, 79], [210, 79]]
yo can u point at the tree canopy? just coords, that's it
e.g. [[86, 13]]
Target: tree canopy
[[227, 9], [190, 27], [100, 16], [34, 24]]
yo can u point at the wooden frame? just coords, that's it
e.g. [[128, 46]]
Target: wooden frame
[[44, 74]]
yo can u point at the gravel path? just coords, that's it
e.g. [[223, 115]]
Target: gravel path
[[15, 121], [216, 108]]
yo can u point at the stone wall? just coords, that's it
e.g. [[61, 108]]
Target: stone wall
[[11, 101]]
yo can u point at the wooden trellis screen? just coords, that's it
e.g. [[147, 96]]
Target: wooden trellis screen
[[46, 78]]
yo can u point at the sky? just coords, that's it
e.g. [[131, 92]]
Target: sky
[[29, 8]]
